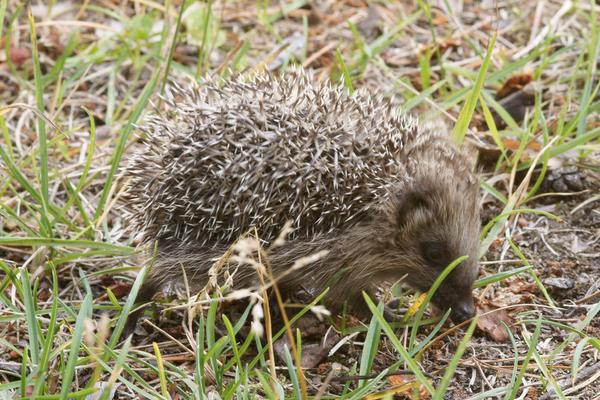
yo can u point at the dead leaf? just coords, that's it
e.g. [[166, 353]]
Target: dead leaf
[[520, 285], [513, 145], [402, 388], [396, 380], [119, 289], [449, 43], [324, 368], [44, 294], [514, 84], [508, 297], [532, 393], [515, 96], [440, 19], [490, 323], [18, 55], [441, 45]]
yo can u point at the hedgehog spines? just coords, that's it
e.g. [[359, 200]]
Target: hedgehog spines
[[229, 155]]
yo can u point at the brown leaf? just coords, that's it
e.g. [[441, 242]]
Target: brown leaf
[[440, 19], [396, 380], [519, 285], [18, 55], [532, 394], [515, 95], [449, 43], [496, 244], [323, 368], [514, 145], [506, 297], [491, 324], [402, 388], [119, 289], [514, 84], [44, 294], [441, 45], [13, 355]]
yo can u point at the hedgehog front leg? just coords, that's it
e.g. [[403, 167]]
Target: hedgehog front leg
[[350, 296]]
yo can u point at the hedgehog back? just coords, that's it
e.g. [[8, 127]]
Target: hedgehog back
[[228, 156]]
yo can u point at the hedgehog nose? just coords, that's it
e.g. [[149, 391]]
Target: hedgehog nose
[[463, 311]]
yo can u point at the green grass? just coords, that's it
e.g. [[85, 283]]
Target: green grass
[[60, 237]]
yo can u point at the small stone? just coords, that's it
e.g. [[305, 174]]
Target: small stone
[[560, 283]]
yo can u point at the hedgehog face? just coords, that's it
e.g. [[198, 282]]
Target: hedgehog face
[[432, 226]]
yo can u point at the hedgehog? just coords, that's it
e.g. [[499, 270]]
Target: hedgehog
[[387, 197]]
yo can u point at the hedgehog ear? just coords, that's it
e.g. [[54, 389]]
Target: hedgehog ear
[[412, 201]]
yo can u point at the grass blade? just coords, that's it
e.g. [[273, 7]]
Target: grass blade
[[451, 368], [33, 327], [531, 343], [292, 371], [118, 153], [345, 72], [466, 113], [48, 340], [410, 362], [69, 371], [41, 130], [161, 370], [50, 242], [370, 347], [430, 293]]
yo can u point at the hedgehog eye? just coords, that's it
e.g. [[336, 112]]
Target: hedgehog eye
[[435, 253]]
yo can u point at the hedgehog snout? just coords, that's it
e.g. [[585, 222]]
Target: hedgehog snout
[[456, 298], [463, 310]]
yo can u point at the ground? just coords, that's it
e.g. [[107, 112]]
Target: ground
[[517, 80]]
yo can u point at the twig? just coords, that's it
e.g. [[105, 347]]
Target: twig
[[592, 372], [325, 384]]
